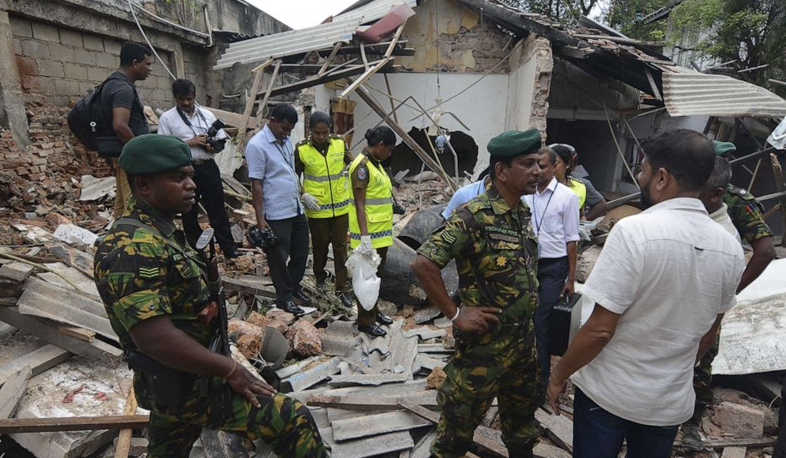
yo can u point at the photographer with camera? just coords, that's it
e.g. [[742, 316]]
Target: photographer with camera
[[201, 131]]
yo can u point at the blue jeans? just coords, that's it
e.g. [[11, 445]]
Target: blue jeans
[[599, 434], [552, 274]]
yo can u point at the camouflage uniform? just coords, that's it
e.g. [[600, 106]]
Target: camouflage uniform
[[747, 216], [501, 245], [141, 275]]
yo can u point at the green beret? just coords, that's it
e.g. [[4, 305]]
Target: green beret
[[722, 148], [514, 143], [153, 153]]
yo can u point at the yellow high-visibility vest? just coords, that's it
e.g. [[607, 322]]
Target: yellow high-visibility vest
[[322, 179], [379, 207], [580, 189]]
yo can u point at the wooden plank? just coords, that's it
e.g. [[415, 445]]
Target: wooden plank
[[330, 58], [368, 74], [319, 79], [760, 442], [262, 66], [13, 390], [230, 118], [45, 300], [372, 403], [560, 428], [77, 333], [123, 444], [263, 103], [45, 425], [372, 425], [38, 361], [363, 55], [47, 331], [248, 287], [394, 41]]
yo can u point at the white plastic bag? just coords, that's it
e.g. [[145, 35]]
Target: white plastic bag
[[778, 136], [364, 277]]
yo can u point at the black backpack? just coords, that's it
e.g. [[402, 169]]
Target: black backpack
[[89, 120]]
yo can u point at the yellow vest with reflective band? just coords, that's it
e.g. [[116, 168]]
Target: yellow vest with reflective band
[[580, 189], [322, 179], [379, 207]]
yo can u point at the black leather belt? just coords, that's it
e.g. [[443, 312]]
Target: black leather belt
[[201, 161]]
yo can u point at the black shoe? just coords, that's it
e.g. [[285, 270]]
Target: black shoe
[[691, 439], [373, 330], [383, 320], [302, 296], [346, 300], [290, 307]]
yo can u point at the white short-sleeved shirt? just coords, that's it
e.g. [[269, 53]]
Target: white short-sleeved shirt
[[668, 272], [555, 219], [170, 123]]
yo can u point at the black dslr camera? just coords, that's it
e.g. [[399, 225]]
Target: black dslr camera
[[217, 145], [262, 238]]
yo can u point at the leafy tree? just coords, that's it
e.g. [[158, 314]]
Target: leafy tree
[[568, 11], [627, 17]]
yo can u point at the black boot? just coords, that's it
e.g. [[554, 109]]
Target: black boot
[[290, 307], [383, 319], [372, 330], [345, 299]]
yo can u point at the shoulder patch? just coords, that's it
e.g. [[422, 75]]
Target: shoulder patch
[[304, 141], [448, 237], [362, 173], [148, 272]]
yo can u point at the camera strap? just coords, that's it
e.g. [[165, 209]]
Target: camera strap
[[188, 123]]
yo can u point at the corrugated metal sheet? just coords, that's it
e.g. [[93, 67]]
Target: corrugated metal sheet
[[693, 93], [374, 10], [288, 43]]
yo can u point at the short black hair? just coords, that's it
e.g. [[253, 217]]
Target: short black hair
[[686, 154], [284, 112], [319, 117], [381, 134], [131, 51], [130, 177], [183, 87], [493, 161], [552, 154], [565, 152], [721, 174]]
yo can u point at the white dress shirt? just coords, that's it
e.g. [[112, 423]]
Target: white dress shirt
[[555, 219], [668, 272], [721, 216], [170, 123]]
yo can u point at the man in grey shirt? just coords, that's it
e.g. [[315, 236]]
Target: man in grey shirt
[[276, 196]]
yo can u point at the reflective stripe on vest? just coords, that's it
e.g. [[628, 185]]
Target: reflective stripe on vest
[[322, 178], [580, 189], [378, 205]]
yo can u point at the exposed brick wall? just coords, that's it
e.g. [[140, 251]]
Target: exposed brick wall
[[62, 64], [195, 71]]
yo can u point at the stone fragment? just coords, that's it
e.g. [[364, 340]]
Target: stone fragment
[[280, 320], [258, 319], [435, 379], [304, 339], [249, 337], [739, 420]]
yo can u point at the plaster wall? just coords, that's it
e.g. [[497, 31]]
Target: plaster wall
[[529, 85]]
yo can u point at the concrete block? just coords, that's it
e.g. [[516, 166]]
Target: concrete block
[[738, 420], [26, 66], [84, 88], [47, 85], [71, 38], [17, 46], [96, 75], [45, 32], [106, 60], [93, 42], [75, 72], [35, 49], [20, 27], [51, 68], [30, 83], [85, 57], [61, 53], [113, 47]]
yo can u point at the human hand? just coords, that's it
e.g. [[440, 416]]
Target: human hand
[[553, 391], [309, 201], [477, 319], [365, 246], [249, 386], [568, 289], [197, 141]]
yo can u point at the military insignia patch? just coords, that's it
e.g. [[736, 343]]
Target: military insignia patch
[[362, 173], [148, 272], [501, 261], [447, 237]]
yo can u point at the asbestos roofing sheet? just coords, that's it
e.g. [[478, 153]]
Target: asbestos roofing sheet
[[695, 94], [374, 10], [288, 43]]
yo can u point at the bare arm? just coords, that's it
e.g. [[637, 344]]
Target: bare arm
[[586, 346], [120, 118], [763, 254], [158, 338], [597, 211], [570, 283], [709, 338], [257, 199]]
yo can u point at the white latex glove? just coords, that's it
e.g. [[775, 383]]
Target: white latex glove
[[365, 247], [309, 201]]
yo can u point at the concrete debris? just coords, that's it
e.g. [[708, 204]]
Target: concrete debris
[[71, 233], [425, 333], [427, 314], [738, 420], [436, 378], [93, 188], [337, 339], [248, 337], [304, 339]]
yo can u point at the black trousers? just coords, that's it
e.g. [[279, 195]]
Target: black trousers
[[293, 236], [552, 273], [780, 446], [210, 193]]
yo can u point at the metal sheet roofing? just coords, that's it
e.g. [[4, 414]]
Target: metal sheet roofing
[[374, 10], [288, 43], [693, 93]]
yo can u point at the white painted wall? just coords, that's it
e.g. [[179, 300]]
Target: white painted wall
[[521, 84], [482, 108]]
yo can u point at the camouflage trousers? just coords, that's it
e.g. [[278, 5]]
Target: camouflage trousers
[[282, 422], [497, 364], [702, 379]]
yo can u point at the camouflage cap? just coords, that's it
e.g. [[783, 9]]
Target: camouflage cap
[[153, 153], [722, 148], [515, 143]]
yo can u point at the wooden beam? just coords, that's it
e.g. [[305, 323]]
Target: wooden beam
[[560, 429], [394, 41], [363, 55], [654, 86], [123, 444], [77, 333], [263, 103], [47, 425], [249, 109], [431, 163], [38, 361], [369, 403], [230, 118], [330, 57], [317, 80], [262, 67], [13, 390], [368, 74]]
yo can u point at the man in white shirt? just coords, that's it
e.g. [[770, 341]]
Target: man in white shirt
[[712, 196], [555, 220], [191, 124], [661, 286]]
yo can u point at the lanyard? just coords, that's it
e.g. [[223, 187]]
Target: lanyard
[[535, 208], [291, 167], [188, 123]]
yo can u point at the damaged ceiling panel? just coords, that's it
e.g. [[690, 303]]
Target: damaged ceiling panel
[[691, 93], [288, 43], [374, 10]]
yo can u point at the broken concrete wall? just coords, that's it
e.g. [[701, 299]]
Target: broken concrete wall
[[452, 38], [530, 81]]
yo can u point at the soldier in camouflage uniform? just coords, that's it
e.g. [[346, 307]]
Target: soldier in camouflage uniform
[[747, 216], [496, 252], [152, 286]]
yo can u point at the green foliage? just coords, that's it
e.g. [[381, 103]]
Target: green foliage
[[626, 16], [565, 11]]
